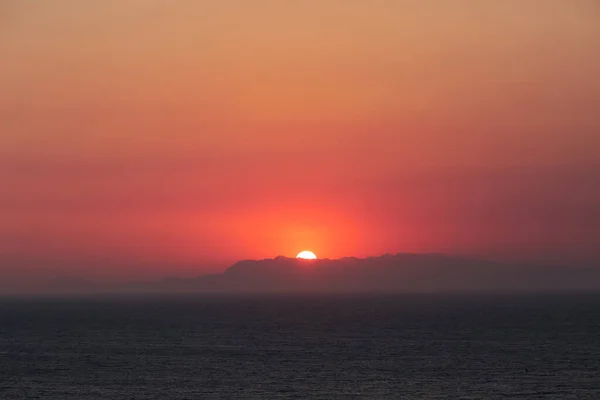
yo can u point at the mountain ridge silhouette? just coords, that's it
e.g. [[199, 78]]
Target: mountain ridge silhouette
[[388, 273], [393, 273]]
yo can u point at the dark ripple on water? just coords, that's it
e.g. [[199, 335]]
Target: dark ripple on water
[[386, 347]]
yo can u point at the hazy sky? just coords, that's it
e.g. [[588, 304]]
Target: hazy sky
[[159, 137]]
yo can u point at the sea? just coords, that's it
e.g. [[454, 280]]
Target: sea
[[300, 347]]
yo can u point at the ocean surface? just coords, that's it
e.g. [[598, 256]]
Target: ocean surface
[[300, 347]]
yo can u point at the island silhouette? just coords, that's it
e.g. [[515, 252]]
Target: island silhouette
[[389, 273]]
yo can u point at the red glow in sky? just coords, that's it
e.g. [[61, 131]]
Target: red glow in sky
[[165, 138]]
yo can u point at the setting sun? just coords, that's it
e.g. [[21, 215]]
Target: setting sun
[[307, 255]]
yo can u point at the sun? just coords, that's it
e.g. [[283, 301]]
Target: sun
[[307, 255]]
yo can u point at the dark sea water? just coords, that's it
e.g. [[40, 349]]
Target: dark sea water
[[295, 347]]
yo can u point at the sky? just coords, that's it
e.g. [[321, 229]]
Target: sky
[[148, 138]]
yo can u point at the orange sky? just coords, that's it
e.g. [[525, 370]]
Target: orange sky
[[170, 138]]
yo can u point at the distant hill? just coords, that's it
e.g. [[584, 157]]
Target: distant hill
[[388, 273], [400, 273]]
